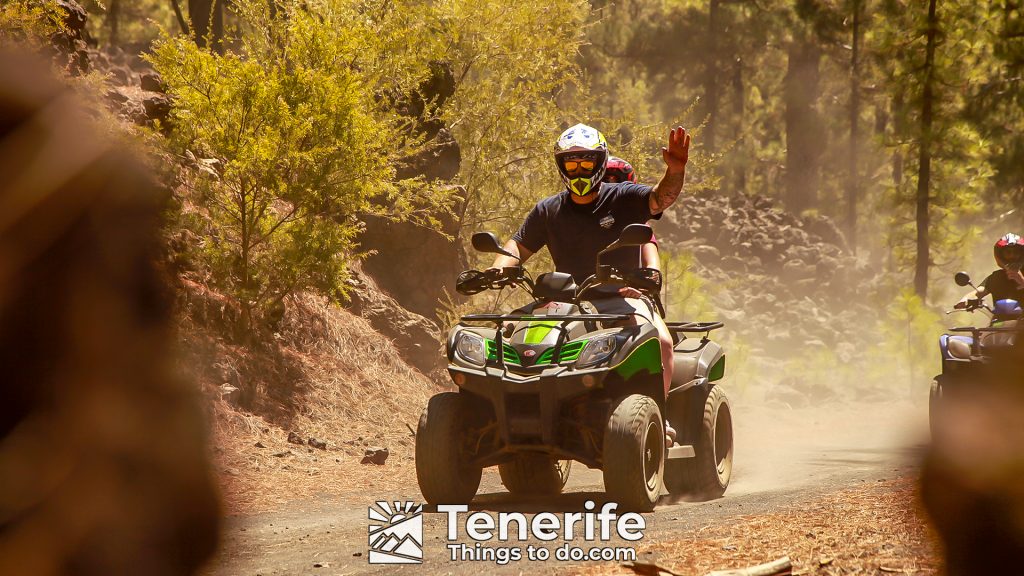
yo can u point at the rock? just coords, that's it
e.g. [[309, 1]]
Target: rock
[[411, 333], [158, 107], [259, 445], [706, 254], [763, 203], [282, 454], [294, 438], [318, 444], [375, 455], [152, 82], [733, 315], [724, 299], [120, 75], [825, 229], [73, 41], [798, 270], [733, 263], [115, 97], [398, 267], [75, 17]]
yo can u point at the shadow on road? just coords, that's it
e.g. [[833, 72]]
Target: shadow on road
[[506, 502]]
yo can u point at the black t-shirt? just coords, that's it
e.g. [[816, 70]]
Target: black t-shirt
[[575, 233], [1001, 287]]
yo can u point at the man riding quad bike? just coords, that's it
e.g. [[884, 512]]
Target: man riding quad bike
[[968, 352], [588, 371]]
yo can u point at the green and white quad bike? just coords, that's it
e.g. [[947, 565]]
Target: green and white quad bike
[[554, 382]]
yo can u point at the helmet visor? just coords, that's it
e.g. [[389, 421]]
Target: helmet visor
[[579, 164], [1012, 253]]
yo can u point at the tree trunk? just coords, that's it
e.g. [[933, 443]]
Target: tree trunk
[[114, 21], [853, 185], [740, 171], [711, 96], [804, 136], [180, 17], [924, 166], [207, 23]]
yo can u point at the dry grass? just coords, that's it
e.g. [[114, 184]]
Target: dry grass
[[877, 528], [327, 375]]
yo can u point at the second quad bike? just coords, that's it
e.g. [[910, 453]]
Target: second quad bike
[[555, 382], [968, 352]]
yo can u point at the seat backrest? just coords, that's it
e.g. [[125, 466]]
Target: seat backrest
[[557, 286]]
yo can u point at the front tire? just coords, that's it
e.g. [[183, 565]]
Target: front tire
[[634, 453], [707, 474], [532, 474], [443, 470]]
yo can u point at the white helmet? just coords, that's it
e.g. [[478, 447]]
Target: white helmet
[[586, 147]]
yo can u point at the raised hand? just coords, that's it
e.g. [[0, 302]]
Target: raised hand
[[671, 185], [678, 151]]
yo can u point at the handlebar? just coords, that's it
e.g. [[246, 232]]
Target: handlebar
[[475, 281], [646, 280], [970, 306]]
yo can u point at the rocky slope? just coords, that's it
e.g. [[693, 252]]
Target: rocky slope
[[787, 287]]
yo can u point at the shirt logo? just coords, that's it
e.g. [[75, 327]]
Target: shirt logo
[[607, 221]]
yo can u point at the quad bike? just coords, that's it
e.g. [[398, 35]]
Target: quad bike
[[968, 352], [555, 381]]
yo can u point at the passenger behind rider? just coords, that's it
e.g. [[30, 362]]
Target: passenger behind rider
[[1008, 281], [589, 214], [619, 170]]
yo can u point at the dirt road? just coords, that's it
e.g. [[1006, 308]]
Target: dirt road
[[784, 458]]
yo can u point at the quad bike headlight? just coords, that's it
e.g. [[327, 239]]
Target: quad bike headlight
[[472, 348], [597, 350]]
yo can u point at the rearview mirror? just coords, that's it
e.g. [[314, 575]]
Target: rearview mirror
[[635, 235], [488, 242], [632, 235], [962, 279]]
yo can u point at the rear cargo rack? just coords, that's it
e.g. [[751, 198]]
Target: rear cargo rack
[[977, 332], [693, 327]]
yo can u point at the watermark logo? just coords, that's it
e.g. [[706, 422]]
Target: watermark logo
[[396, 533], [511, 529]]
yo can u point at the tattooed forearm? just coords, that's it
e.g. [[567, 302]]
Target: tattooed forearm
[[666, 192]]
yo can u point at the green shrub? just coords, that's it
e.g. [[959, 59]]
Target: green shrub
[[294, 137]]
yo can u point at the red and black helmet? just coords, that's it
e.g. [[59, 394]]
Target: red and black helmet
[[618, 170], [1009, 248]]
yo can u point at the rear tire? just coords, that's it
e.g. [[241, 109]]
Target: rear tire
[[442, 451], [707, 474], [532, 474], [634, 453]]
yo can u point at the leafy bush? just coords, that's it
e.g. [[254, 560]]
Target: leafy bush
[[25, 22], [296, 135]]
